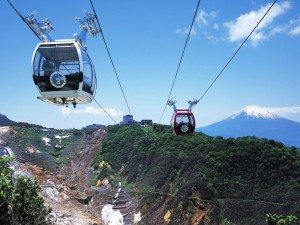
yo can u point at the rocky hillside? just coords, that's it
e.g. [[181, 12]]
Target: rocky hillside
[[201, 179], [60, 160], [48, 148], [171, 180]]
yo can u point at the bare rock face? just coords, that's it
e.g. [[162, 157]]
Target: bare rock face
[[65, 189], [85, 201], [6, 131], [50, 190], [98, 136], [65, 202], [103, 182], [67, 219], [32, 149]]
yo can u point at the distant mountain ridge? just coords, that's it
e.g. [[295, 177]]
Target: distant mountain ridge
[[4, 121], [256, 121]]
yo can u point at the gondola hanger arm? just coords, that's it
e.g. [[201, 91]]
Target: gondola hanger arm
[[41, 29], [193, 103], [172, 103], [87, 25]]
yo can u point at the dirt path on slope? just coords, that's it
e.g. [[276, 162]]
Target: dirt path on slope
[[79, 170]]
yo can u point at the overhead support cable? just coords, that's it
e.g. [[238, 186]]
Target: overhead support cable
[[105, 111], [103, 107], [23, 18], [236, 52], [110, 57], [181, 58]]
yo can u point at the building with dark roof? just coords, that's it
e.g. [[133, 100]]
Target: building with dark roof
[[146, 122]]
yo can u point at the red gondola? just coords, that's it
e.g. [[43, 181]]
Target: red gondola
[[183, 122]]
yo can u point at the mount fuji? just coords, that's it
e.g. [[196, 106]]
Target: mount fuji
[[256, 121]]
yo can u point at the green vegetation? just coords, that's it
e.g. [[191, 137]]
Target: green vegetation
[[19, 200], [226, 222], [203, 167], [273, 219], [52, 155]]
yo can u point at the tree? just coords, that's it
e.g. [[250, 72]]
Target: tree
[[19, 201], [273, 219]]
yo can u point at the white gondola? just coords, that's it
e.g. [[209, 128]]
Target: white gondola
[[63, 73]]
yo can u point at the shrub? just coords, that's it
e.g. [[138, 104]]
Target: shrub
[[273, 219], [19, 201]]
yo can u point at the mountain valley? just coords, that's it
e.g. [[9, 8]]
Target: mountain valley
[[170, 180]]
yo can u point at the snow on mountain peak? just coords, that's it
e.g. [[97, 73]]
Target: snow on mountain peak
[[254, 111]]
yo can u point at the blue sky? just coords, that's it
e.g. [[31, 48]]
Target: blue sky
[[146, 39]]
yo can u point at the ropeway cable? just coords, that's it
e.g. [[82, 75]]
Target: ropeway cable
[[181, 58], [232, 57], [23, 18], [110, 57], [105, 111]]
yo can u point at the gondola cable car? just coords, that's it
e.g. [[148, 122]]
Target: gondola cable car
[[183, 120], [63, 72]]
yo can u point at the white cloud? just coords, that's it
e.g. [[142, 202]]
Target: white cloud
[[65, 111], [92, 111], [240, 28], [294, 27], [295, 21], [278, 29], [295, 31], [284, 110], [204, 18], [213, 39], [185, 31]]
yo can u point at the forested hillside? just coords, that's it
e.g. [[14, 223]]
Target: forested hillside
[[201, 179]]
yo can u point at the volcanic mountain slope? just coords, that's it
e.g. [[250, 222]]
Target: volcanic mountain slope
[[256, 121], [62, 171], [192, 180], [61, 162]]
